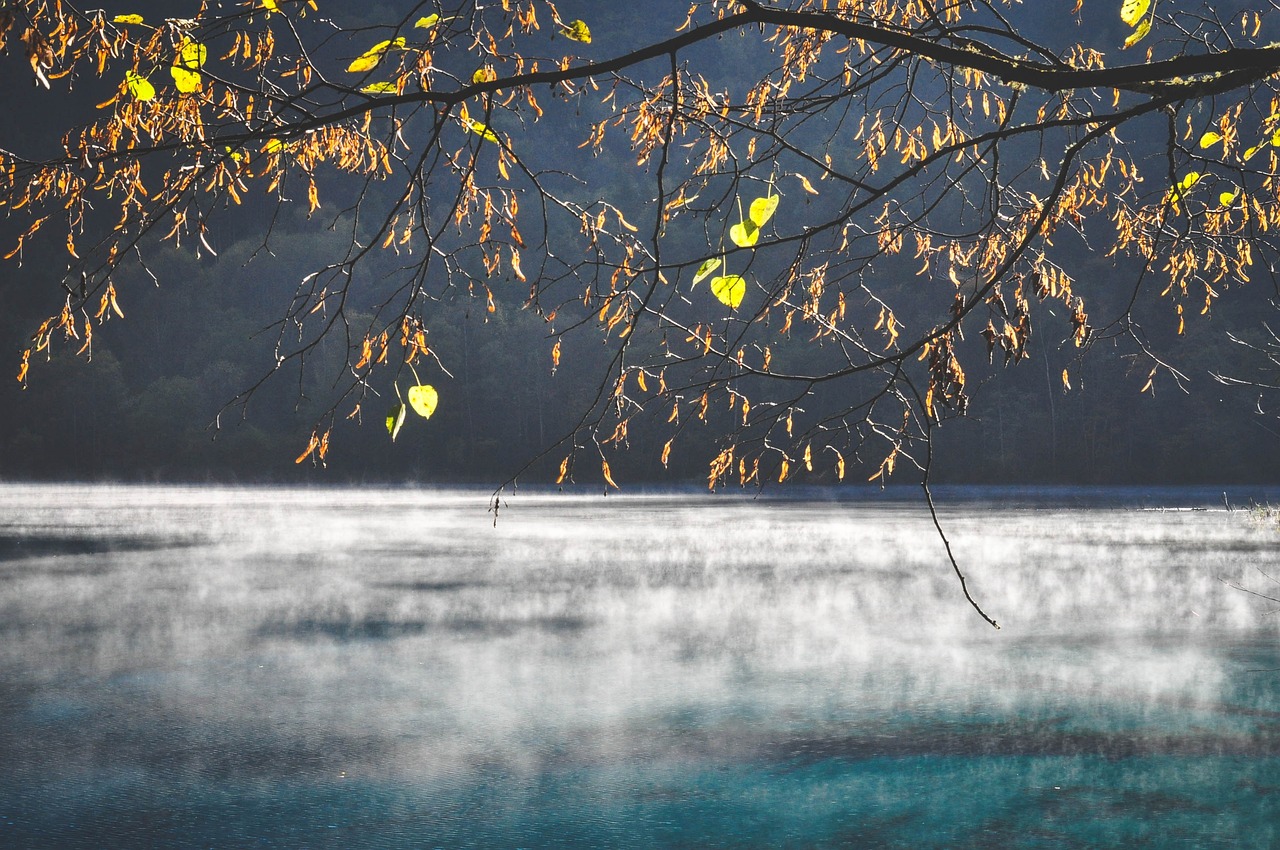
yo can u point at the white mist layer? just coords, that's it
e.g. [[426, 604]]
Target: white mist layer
[[400, 632]]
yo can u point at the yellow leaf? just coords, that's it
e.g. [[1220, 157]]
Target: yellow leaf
[[395, 419], [380, 88], [272, 146], [423, 399], [426, 23], [1132, 11], [762, 210], [1228, 198], [139, 86], [270, 6], [484, 74], [1210, 139], [1189, 179], [705, 269], [127, 19], [369, 60], [1066, 380], [1275, 139], [481, 130], [1143, 30], [185, 81], [730, 289], [745, 234], [808, 187], [191, 55], [1248, 154], [578, 31]]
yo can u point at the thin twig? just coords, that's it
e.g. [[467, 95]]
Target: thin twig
[[928, 497]]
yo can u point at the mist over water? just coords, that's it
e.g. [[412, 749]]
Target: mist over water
[[222, 667]]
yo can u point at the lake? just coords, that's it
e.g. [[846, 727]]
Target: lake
[[226, 667]]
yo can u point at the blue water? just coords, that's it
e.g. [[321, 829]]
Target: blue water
[[220, 667]]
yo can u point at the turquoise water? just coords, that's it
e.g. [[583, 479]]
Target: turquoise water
[[218, 667]]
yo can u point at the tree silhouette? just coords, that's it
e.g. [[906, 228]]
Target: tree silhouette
[[781, 218]]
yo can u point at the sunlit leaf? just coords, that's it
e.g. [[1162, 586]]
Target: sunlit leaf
[[271, 6], [745, 234], [578, 31], [185, 81], [191, 55], [395, 419], [1248, 154], [1189, 179], [369, 60], [1275, 139], [423, 399], [1143, 30], [705, 269], [380, 88], [1210, 139], [481, 130], [484, 74], [1132, 11], [1228, 198], [139, 86], [762, 210], [272, 146], [427, 22], [730, 289], [808, 187], [127, 19]]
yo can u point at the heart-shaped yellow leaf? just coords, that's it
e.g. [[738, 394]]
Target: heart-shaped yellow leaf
[[762, 210], [139, 86], [730, 289], [423, 399], [184, 80], [1132, 11], [745, 234], [191, 55]]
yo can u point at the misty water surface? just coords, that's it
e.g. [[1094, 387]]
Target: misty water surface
[[218, 667]]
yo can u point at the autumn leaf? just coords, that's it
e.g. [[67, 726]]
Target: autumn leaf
[[186, 82], [427, 22], [1143, 30], [423, 399], [380, 88], [1133, 11], [705, 269], [1210, 139], [745, 234], [395, 419], [369, 60], [762, 210], [578, 31], [730, 289], [127, 19], [604, 467], [139, 86]]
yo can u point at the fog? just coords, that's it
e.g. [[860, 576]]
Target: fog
[[241, 663]]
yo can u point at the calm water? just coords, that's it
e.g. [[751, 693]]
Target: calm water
[[215, 667]]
